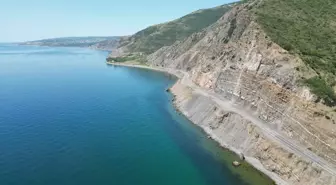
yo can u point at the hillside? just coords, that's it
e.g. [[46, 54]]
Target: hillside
[[108, 44], [306, 28], [97, 42], [260, 80], [154, 37]]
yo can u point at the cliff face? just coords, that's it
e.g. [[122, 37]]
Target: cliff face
[[242, 136], [236, 60]]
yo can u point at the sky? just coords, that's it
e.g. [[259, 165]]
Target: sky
[[24, 20]]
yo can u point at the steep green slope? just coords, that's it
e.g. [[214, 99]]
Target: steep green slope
[[157, 36], [306, 28]]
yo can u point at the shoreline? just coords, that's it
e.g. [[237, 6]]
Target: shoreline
[[164, 70], [48, 46], [255, 163]]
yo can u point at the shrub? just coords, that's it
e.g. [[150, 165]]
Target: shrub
[[323, 91], [306, 28]]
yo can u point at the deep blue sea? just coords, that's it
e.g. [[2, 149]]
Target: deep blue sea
[[67, 118]]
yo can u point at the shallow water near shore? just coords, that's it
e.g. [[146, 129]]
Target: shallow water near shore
[[68, 118]]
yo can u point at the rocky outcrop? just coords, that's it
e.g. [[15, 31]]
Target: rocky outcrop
[[233, 131], [236, 60]]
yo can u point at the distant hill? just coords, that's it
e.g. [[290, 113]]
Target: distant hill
[[96, 42], [108, 44], [154, 37]]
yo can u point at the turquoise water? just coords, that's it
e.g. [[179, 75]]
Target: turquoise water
[[66, 118]]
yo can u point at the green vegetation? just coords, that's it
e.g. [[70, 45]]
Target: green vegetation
[[134, 57], [123, 59], [319, 87], [154, 37], [306, 28]]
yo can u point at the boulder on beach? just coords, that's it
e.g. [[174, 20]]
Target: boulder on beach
[[235, 163]]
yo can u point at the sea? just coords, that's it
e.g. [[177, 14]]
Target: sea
[[67, 118]]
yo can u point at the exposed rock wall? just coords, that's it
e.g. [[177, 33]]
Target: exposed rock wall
[[241, 136], [235, 59]]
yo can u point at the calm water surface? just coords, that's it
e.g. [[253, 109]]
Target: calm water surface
[[66, 118]]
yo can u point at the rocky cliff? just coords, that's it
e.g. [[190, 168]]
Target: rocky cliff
[[257, 98], [236, 60]]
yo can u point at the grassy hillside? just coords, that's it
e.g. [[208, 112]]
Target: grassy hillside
[[306, 28], [157, 36]]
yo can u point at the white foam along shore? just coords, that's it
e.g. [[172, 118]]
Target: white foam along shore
[[182, 76]]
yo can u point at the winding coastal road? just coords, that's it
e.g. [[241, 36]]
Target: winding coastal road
[[228, 105], [284, 141]]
